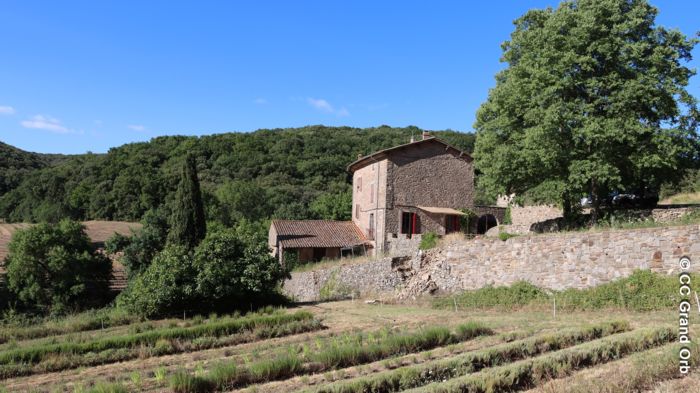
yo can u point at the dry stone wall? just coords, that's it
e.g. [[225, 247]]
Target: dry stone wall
[[556, 261], [360, 279]]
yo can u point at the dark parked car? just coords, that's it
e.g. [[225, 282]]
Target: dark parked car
[[640, 199]]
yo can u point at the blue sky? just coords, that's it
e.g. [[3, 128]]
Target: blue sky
[[79, 76]]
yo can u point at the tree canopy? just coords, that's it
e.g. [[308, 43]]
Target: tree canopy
[[287, 170], [54, 268], [187, 222], [593, 100]]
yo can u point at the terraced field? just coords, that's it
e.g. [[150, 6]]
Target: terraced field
[[352, 347], [97, 231]]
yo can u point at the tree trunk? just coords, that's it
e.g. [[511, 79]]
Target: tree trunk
[[568, 210]]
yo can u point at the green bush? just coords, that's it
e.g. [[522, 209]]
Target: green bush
[[117, 243], [146, 243], [644, 290], [505, 235], [231, 264], [54, 268], [230, 268], [428, 241], [166, 286]]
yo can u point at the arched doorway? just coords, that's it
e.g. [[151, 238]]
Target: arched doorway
[[486, 222]]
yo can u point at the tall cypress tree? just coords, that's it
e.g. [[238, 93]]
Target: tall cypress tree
[[187, 223]]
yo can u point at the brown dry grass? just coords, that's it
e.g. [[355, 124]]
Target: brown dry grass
[[682, 199]]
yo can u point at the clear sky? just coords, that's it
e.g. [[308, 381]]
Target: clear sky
[[79, 76]]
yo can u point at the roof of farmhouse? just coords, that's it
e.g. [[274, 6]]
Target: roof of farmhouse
[[381, 154], [317, 233]]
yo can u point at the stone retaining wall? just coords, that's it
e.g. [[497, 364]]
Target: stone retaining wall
[[525, 216], [363, 279], [556, 261], [559, 261]]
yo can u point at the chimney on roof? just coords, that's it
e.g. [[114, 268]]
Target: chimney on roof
[[359, 155], [426, 135], [413, 139]]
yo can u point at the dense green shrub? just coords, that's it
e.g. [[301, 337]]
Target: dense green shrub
[[117, 243], [166, 286], [231, 264], [230, 268], [428, 241], [54, 268], [147, 242]]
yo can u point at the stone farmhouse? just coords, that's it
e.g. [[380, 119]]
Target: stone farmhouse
[[399, 194]]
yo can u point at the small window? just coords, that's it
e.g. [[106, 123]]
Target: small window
[[409, 223], [357, 211], [359, 183], [370, 232], [452, 224], [371, 193]]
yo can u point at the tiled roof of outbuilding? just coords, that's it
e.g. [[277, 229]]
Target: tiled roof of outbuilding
[[317, 233]]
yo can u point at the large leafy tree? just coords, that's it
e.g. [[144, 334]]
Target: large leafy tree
[[593, 99], [188, 225], [54, 268], [234, 265]]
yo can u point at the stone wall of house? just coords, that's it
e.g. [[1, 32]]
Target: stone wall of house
[[556, 261], [369, 201], [426, 175], [401, 244]]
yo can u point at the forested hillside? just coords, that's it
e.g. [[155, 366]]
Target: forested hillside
[[15, 164], [281, 173]]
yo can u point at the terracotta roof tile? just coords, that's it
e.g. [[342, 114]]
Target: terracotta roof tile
[[318, 233]]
